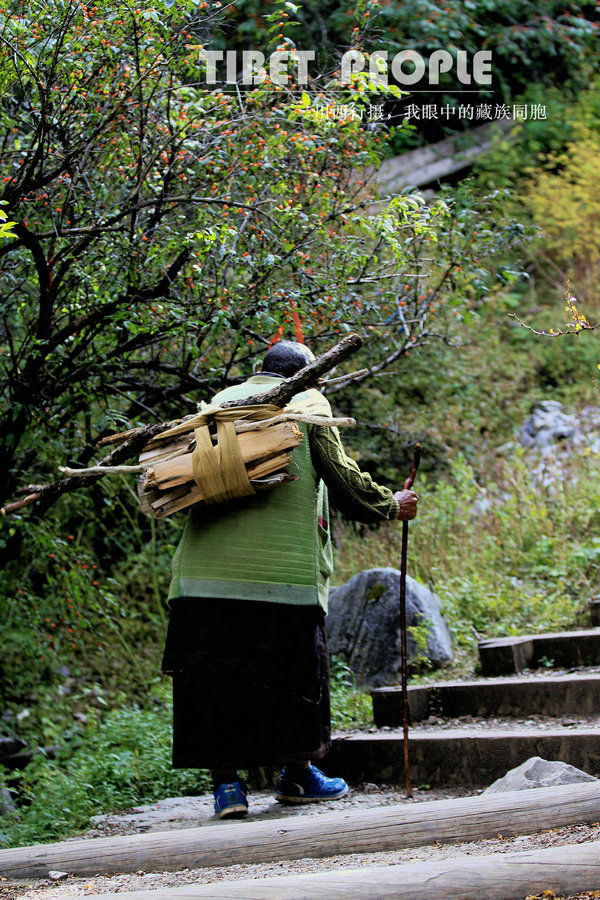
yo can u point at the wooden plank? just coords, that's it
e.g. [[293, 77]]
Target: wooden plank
[[172, 502], [257, 469], [507, 655], [329, 834], [173, 448], [552, 695], [511, 876], [165, 503], [436, 161], [264, 467]]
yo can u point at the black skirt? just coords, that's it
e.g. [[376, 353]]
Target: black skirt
[[250, 683]]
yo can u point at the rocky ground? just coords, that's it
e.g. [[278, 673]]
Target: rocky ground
[[190, 812], [193, 811]]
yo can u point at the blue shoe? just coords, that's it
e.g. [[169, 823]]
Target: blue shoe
[[230, 800], [310, 787]]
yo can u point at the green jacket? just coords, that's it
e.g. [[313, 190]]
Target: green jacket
[[276, 546]]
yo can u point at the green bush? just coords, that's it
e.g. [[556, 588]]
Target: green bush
[[124, 759], [119, 761], [513, 153], [350, 707], [551, 165], [85, 613]]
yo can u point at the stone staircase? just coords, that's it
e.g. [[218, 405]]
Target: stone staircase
[[470, 733]]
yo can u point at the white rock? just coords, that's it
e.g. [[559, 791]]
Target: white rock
[[57, 876], [548, 424], [537, 773]]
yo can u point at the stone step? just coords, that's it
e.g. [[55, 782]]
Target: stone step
[[466, 757], [547, 695], [504, 656]]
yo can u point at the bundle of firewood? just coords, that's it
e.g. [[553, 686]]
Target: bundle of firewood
[[168, 483]]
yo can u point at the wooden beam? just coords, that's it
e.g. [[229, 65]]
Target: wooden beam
[[471, 757], [524, 696], [507, 655], [563, 870], [328, 834], [435, 162], [254, 446]]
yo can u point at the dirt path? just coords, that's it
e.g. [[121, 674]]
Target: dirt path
[[194, 811]]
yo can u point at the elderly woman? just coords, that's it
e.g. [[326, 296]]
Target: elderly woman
[[246, 642]]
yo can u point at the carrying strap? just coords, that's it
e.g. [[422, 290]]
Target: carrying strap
[[219, 469]]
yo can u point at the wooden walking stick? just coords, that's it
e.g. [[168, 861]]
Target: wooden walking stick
[[407, 486]]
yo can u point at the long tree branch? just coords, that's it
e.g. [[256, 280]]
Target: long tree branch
[[135, 440]]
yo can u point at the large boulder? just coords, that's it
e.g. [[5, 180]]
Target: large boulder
[[537, 773], [363, 626]]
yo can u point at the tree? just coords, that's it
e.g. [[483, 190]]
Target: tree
[[532, 44], [165, 232]]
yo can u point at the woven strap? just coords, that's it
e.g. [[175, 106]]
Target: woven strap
[[219, 470]]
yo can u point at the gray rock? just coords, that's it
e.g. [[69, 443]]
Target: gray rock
[[550, 438], [10, 745], [55, 875], [363, 625], [537, 773], [548, 424]]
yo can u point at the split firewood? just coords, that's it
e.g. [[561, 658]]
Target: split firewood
[[168, 484], [164, 503], [167, 463], [254, 446]]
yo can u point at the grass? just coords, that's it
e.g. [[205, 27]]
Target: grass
[[506, 546], [123, 759], [350, 707], [119, 761]]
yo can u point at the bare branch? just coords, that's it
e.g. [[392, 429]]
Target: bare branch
[[553, 332], [103, 470]]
